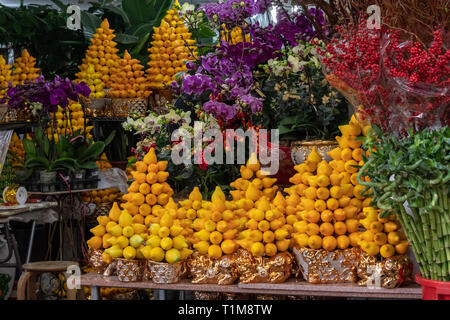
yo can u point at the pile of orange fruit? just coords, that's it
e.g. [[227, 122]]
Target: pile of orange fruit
[[100, 57], [169, 51], [103, 163], [127, 79], [101, 196], [5, 76], [235, 36], [16, 148], [254, 178], [24, 69]]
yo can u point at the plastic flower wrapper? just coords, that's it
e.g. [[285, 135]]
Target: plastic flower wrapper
[[419, 79]]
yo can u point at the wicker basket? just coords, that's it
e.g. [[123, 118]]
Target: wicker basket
[[124, 107], [300, 150]]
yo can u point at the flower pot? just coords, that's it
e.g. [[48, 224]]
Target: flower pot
[[434, 290], [48, 181], [78, 180], [79, 175], [301, 149]]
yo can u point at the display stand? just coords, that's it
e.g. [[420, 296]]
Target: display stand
[[292, 287], [63, 223]]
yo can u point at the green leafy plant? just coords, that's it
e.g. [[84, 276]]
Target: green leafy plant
[[87, 151], [410, 177], [42, 30], [42, 154], [132, 20], [298, 99]]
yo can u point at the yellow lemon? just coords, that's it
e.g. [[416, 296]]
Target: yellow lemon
[[315, 242], [257, 249], [312, 229], [215, 237], [329, 243], [228, 246], [215, 251], [301, 226], [301, 239], [323, 180], [129, 253], [326, 229], [340, 228], [326, 216], [173, 256], [283, 245], [163, 232], [270, 249], [128, 231]]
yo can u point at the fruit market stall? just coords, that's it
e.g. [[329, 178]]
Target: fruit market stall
[[342, 190]]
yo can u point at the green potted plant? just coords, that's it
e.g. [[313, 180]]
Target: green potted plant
[[410, 177], [47, 159]]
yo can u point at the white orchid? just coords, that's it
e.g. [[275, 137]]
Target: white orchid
[[187, 8]]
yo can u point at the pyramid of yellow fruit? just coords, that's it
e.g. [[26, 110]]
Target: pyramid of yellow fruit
[[100, 57], [335, 214], [268, 229], [235, 36], [16, 148], [216, 224], [68, 121], [127, 79], [252, 173], [168, 50], [5, 76], [24, 69]]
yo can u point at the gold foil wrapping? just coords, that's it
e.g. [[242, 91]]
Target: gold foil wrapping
[[96, 261], [322, 266], [130, 270], [220, 271], [164, 272], [276, 269], [198, 295], [10, 195], [389, 273]]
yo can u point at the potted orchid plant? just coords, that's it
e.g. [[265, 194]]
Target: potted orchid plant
[[42, 97]]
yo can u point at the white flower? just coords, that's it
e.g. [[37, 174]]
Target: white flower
[[294, 63], [187, 118], [187, 8], [325, 99]]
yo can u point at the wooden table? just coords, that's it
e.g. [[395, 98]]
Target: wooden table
[[292, 287], [16, 214]]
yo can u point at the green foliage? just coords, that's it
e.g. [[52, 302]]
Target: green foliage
[[298, 99], [410, 177], [132, 20], [42, 30]]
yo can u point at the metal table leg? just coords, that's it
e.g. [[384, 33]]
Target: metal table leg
[[12, 249], [182, 295], [161, 295], [95, 293], [30, 242]]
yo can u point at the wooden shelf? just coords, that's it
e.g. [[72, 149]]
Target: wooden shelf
[[290, 287]]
